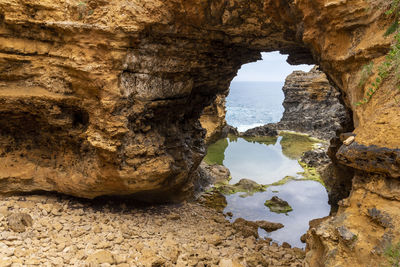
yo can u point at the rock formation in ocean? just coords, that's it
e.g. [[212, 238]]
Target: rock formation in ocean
[[312, 105], [104, 98]]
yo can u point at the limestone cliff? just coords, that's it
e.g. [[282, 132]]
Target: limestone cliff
[[104, 97], [213, 120], [312, 105]]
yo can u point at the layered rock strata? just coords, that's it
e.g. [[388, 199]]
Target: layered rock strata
[[312, 105], [213, 120], [103, 98]]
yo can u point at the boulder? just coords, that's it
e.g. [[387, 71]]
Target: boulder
[[275, 204], [18, 222], [269, 226]]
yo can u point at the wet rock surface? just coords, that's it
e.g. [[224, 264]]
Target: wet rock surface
[[246, 186], [275, 204], [71, 232], [103, 98], [269, 226], [266, 130]]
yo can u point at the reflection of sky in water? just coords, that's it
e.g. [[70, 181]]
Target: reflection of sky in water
[[259, 162], [308, 199], [267, 164]]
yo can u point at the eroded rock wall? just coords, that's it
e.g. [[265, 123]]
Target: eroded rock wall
[[102, 98], [213, 120], [312, 105]]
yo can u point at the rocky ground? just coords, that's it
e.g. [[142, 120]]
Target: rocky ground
[[64, 231]]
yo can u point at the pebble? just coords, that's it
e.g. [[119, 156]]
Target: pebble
[[71, 232]]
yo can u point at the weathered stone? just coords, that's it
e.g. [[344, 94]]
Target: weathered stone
[[349, 140], [103, 98], [229, 263], [19, 221], [381, 218], [214, 200], [101, 257], [213, 120], [275, 204], [217, 173], [266, 130], [247, 186], [246, 228], [371, 158], [269, 226], [312, 105]]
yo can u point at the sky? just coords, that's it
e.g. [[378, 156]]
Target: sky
[[272, 68]]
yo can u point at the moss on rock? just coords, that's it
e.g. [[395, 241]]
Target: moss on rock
[[277, 205], [247, 186]]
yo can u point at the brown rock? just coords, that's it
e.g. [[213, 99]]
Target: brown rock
[[229, 263], [213, 120], [269, 226], [19, 221], [101, 257], [104, 97], [303, 238], [246, 228]]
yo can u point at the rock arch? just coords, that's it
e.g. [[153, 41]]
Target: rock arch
[[141, 72]]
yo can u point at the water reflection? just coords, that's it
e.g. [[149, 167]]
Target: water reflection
[[262, 163], [267, 160], [308, 199]]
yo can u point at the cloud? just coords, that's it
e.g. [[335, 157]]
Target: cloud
[[273, 67]]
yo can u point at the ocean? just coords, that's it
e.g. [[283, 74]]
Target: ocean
[[268, 161], [251, 104]]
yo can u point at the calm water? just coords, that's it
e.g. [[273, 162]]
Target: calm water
[[251, 104], [268, 160]]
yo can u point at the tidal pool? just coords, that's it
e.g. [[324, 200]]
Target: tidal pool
[[268, 160]]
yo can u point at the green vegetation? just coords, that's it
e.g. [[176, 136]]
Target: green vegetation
[[283, 181], [246, 186], [83, 10], [392, 254], [294, 144], [366, 72], [250, 187], [278, 205], [390, 67], [310, 174], [216, 152]]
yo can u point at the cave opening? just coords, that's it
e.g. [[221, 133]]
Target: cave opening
[[274, 150], [255, 97]]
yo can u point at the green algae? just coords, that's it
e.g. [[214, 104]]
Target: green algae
[[216, 152], [214, 200], [246, 186], [278, 205], [251, 187], [310, 173], [295, 144]]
